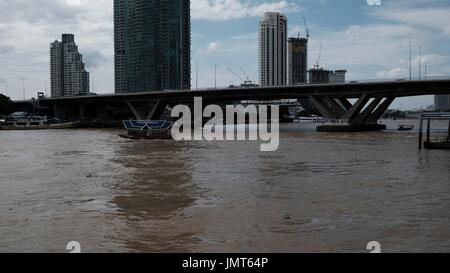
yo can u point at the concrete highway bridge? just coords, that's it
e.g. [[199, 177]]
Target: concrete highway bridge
[[360, 104]]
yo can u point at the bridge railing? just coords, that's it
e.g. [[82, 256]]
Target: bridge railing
[[375, 80]]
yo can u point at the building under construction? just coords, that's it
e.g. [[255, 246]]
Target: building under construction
[[297, 61], [320, 75]]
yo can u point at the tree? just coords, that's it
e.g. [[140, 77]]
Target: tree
[[5, 105]]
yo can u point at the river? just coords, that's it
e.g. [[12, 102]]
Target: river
[[320, 192]]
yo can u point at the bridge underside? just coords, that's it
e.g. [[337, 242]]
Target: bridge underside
[[342, 115], [340, 112], [353, 106]]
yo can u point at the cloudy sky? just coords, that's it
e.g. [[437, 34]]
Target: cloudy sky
[[371, 42]]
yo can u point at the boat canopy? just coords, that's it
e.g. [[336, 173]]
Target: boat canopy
[[147, 124]]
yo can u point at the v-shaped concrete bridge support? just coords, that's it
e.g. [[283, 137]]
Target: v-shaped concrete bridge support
[[148, 110], [363, 115]]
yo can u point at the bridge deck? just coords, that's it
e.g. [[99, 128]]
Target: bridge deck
[[347, 90]]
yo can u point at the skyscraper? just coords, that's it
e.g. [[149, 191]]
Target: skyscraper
[[273, 49], [152, 45], [68, 75], [297, 61]]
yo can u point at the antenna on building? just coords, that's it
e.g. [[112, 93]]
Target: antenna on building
[[306, 28]]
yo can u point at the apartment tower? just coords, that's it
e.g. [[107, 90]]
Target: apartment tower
[[152, 41], [68, 75], [273, 49]]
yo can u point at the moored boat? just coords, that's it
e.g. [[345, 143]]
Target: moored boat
[[28, 121], [147, 129], [24, 127]]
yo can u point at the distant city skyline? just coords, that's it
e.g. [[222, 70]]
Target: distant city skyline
[[370, 42]]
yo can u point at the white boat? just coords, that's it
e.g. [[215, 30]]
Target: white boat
[[309, 120]]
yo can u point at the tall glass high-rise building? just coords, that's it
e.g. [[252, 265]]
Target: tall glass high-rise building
[[68, 75], [273, 49], [152, 45]]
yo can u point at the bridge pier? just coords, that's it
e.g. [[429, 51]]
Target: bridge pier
[[363, 115], [102, 112], [82, 112]]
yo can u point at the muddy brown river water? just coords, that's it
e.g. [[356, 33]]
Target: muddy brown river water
[[320, 192]]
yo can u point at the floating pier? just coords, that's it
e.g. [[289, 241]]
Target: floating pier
[[430, 143]]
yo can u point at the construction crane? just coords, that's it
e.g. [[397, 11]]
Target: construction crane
[[306, 28], [317, 65], [248, 79], [254, 76], [247, 82], [239, 77]]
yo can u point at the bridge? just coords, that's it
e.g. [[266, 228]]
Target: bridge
[[361, 104]]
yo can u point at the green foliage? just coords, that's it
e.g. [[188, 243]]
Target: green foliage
[[5, 105]]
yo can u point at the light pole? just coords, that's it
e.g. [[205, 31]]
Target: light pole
[[196, 75], [23, 88], [426, 70], [215, 76], [410, 61], [420, 62]]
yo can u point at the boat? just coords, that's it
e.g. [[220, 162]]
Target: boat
[[28, 121], [405, 127], [28, 126], [147, 129], [309, 120]]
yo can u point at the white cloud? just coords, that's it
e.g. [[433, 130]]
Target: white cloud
[[74, 2], [222, 10], [433, 59], [363, 45], [432, 18], [296, 30], [396, 73], [214, 47]]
